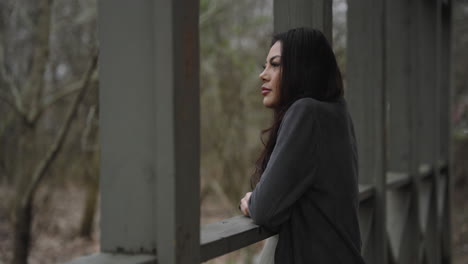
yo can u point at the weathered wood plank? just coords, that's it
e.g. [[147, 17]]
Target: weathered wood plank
[[367, 100], [397, 180], [398, 76], [303, 13], [229, 235], [177, 114], [402, 226], [128, 180], [445, 86], [446, 91], [398, 206], [150, 128], [426, 50], [106, 258], [366, 222], [366, 191]]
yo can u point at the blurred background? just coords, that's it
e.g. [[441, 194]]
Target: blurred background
[[49, 120]]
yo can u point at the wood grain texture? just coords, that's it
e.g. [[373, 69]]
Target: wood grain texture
[[303, 13], [366, 94], [150, 128]]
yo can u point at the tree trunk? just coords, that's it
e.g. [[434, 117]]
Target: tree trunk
[[89, 212], [22, 237], [26, 193]]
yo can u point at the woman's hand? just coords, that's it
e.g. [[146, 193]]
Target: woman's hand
[[244, 204]]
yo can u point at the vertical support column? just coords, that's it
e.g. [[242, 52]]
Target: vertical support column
[[402, 204], [177, 99], [445, 132], [303, 13], [438, 181], [398, 49], [445, 78], [366, 96], [425, 113], [149, 101]]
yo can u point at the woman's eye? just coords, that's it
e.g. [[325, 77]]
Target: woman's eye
[[275, 64], [263, 66]]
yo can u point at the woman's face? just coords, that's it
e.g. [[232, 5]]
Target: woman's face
[[271, 77]]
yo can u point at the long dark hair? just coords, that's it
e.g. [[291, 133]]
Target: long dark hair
[[308, 69]]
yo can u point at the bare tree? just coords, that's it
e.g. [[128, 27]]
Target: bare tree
[[234, 41], [34, 95], [26, 193]]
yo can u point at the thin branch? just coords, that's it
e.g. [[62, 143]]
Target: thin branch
[[35, 84], [54, 149], [53, 98], [17, 104], [87, 130], [13, 106], [62, 93]]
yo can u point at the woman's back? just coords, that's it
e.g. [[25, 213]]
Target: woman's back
[[314, 172]]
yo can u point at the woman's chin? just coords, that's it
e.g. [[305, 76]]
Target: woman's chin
[[267, 102]]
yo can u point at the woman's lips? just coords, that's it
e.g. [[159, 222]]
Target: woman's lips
[[265, 91]]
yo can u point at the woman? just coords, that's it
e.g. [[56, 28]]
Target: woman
[[306, 179]]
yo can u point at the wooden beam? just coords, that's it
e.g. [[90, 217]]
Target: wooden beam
[[425, 59], [303, 13], [367, 101], [445, 85], [149, 102], [106, 258], [229, 235], [128, 179], [403, 142], [398, 72], [177, 101], [446, 91]]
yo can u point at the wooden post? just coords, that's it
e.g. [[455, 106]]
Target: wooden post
[[398, 71], [302, 13], [402, 204], [367, 102], [426, 118], [445, 132], [149, 98]]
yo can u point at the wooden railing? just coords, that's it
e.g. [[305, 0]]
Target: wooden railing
[[228, 235], [237, 232]]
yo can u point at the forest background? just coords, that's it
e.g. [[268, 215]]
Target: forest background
[[49, 121]]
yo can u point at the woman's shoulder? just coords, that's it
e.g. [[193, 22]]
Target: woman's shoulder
[[310, 104], [304, 104], [318, 109]]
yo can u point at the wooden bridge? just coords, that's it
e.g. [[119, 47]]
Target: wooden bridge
[[398, 90]]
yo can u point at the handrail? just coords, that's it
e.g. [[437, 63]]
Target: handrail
[[229, 235], [366, 191], [220, 238], [234, 233], [396, 180]]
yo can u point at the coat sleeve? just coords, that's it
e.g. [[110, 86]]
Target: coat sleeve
[[291, 168]]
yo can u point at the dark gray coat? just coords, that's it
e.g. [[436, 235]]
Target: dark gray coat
[[308, 192]]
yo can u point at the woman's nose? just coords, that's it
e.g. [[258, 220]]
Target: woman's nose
[[262, 75]]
